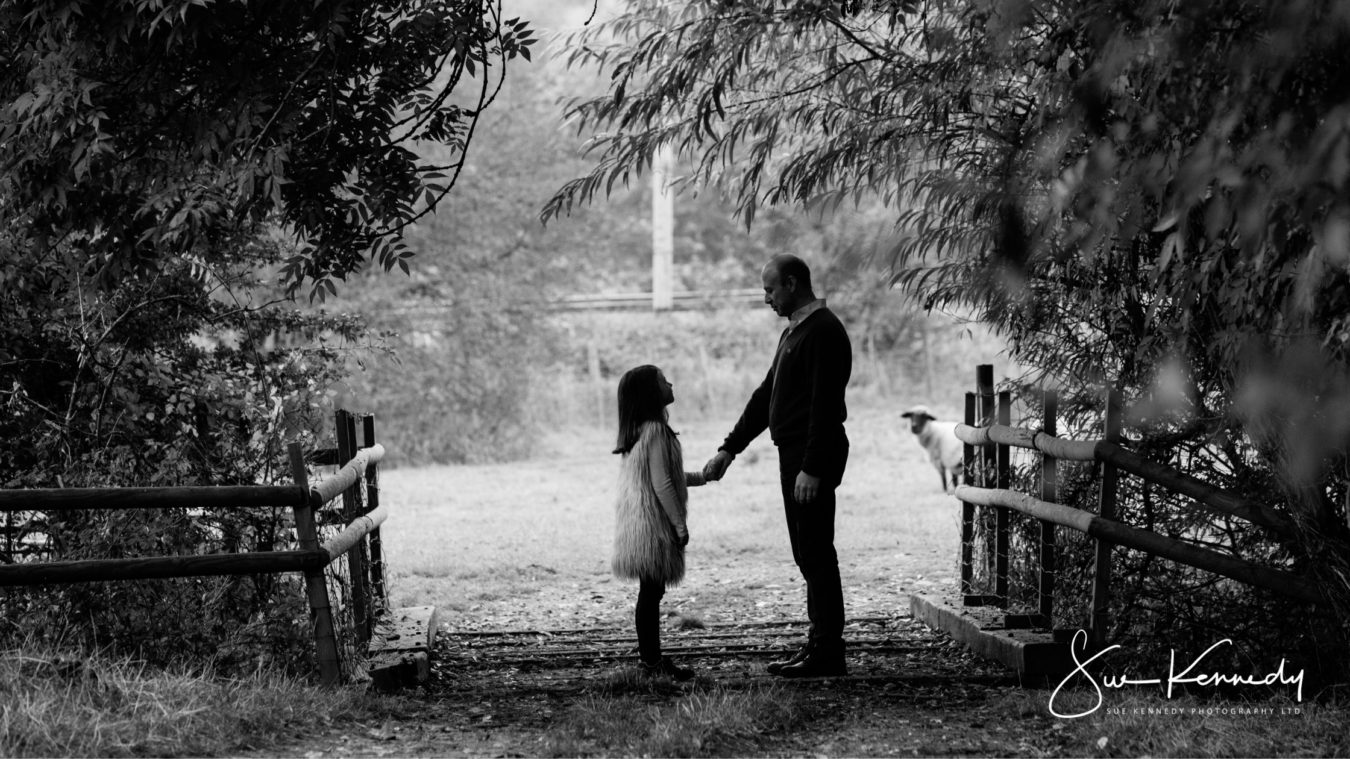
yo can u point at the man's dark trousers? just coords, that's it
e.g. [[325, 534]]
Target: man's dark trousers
[[811, 530]]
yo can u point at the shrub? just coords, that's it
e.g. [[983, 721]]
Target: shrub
[[1158, 605], [164, 381]]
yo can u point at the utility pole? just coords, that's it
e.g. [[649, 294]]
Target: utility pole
[[663, 231]]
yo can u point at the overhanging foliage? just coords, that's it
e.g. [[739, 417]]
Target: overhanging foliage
[[135, 131]]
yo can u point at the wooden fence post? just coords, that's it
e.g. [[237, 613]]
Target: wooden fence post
[[316, 587], [968, 509], [356, 565], [1049, 494], [984, 388], [1101, 575], [1002, 517], [372, 502]]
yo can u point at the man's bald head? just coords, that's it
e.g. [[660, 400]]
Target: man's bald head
[[789, 267], [787, 284]]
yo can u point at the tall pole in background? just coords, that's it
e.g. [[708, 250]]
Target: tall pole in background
[[663, 231]]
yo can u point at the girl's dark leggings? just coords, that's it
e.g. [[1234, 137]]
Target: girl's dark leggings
[[648, 619]]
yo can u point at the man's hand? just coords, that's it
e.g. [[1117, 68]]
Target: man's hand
[[717, 466], [806, 488]]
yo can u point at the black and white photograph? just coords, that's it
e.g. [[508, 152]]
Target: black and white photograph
[[641, 378]]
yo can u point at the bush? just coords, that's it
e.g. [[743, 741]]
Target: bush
[[158, 383], [1158, 605], [456, 384], [717, 358]]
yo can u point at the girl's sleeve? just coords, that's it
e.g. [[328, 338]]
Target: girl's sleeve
[[665, 491]]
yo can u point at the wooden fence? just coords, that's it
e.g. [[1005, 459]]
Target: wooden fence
[[358, 540], [988, 439]]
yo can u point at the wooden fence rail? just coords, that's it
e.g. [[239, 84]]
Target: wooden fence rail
[[85, 499], [260, 562], [1148, 541], [988, 437], [310, 559], [1159, 474]]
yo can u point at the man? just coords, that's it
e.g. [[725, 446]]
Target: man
[[801, 403]]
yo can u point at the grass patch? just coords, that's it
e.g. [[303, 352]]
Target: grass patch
[[631, 681], [624, 721], [57, 705]]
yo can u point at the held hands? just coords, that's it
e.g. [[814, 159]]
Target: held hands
[[717, 466]]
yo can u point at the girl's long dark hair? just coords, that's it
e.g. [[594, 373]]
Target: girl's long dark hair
[[640, 401]]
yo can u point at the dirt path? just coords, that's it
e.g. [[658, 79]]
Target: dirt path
[[909, 692]]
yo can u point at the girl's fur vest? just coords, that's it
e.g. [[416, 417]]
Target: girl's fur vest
[[646, 546]]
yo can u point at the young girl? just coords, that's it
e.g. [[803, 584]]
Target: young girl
[[650, 530]]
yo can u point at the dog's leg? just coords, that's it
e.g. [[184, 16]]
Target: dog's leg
[[942, 475]]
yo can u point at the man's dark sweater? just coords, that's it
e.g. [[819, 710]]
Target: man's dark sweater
[[801, 401]]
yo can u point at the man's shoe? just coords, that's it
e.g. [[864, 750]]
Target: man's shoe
[[776, 667], [668, 668], [821, 661]]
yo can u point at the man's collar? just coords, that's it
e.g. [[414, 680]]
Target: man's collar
[[800, 314]]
